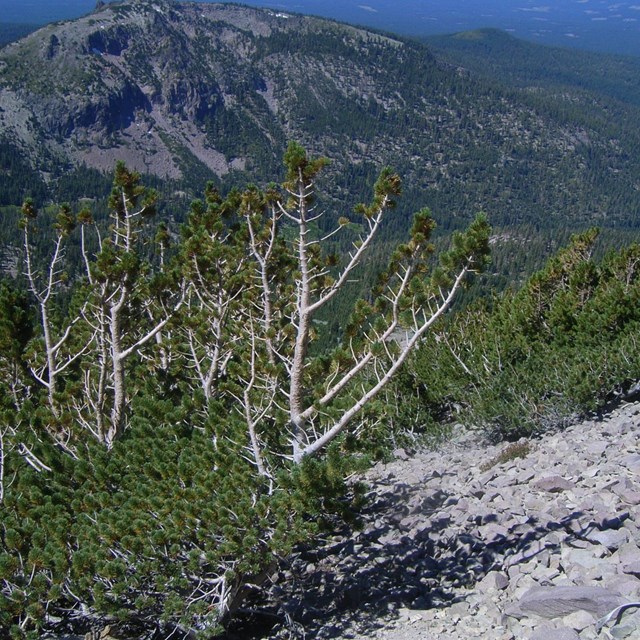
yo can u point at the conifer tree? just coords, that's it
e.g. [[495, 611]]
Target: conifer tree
[[213, 260], [562, 345], [260, 273], [119, 300], [180, 520], [45, 282], [408, 303], [16, 331]]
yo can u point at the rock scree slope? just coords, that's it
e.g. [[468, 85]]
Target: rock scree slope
[[471, 541]]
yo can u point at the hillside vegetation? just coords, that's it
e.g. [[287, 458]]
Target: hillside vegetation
[[190, 92], [168, 433], [183, 399], [195, 373], [563, 345], [496, 56]]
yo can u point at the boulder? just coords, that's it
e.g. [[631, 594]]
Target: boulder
[[628, 555], [552, 484], [493, 581], [611, 538], [549, 633], [555, 602]]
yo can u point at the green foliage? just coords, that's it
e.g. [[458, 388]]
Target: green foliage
[[511, 452], [152, 530], [299, 166], [18, 180], [497, 55], [168, 433], [127, 192], [563, 345]]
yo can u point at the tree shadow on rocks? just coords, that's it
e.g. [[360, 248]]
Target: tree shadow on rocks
[[411, 553]]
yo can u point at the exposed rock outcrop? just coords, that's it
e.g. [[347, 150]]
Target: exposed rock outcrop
[[462, 543]]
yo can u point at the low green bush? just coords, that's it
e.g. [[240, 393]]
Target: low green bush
[[563, 345]]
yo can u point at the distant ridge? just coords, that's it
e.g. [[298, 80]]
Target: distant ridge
[[188, 92], [497, 54]]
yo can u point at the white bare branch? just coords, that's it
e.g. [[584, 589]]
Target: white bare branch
[[346, 417]]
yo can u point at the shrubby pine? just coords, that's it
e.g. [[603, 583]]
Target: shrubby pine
[[192, 433], [171, 432], [563, 345]]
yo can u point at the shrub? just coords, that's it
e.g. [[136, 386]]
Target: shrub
[[564, 345]]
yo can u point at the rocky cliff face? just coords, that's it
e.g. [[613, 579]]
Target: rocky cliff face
[[139, 81], [186, 90], [165, 85]]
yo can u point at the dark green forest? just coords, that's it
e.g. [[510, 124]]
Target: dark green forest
[[537, 137], [499, 57]]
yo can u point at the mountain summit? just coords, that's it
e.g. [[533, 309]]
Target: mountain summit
[[168, 85], [153, 82], [193, 91]]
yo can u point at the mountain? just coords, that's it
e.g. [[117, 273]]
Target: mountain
[[187, 92], [497, 55], [586, 24]]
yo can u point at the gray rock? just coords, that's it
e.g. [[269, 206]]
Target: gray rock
[[612, 521], [550, 633], [525, 476], [588, 558], [554, 602], [628, 552], [596, 449], [464, 546], [632, 462], [627, 585], [501, 482], [552, 484], [493, 532], [493, 581], [611, 538], [628, 555], [530, 551], [630, 497], [579, 620], [628, 626]]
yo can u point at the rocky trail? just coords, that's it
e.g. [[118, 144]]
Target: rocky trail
[[537, 540]]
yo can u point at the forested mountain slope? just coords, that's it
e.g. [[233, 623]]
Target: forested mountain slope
[[186, 92], [496, 55], [182, 405]]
